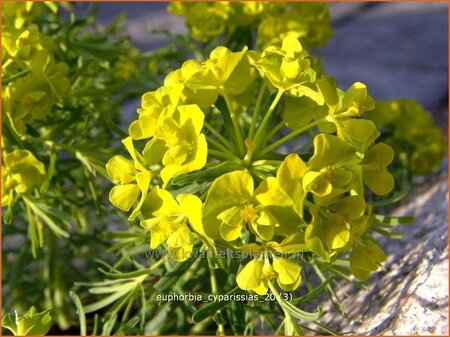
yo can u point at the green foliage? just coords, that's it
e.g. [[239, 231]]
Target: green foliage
[[218, 209], [62, 78]]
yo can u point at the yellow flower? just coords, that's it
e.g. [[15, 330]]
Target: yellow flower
[[153, 103], [171, 221], [258, 272], [186, 147], [366, 256], [232, 203], [22, 171], [287, 67], [132, 179]]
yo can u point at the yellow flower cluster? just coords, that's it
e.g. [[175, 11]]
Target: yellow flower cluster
[[20, 173], [420, 145], [273, 21], [249, 202], [34, 79]]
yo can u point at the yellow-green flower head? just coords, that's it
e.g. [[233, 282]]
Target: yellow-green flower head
[[33, 323], [334, 225], [233, 70], [330, 168], [200, 85], [307, 22], [152, 105], [232, 203], [245, 13], [204, 19], [257, 273], [22, 171], [287, 67], [24, 45], [343, 110], [366, 256], [186, 147], [418, 142], [132, 179], [26, 100], [18, 14], [299, 111], [375, 162], [173, 222]]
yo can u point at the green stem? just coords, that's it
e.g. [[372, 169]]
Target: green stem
[[230, 155], [256, 110], [221, 155], [214, 290], [10, 78], [236, 127], [272, 133], [218, 135], [287, 315], [290, 136], [257, 173], [157, 264], [266, 162], [262, 125]]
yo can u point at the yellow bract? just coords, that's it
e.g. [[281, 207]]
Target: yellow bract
[[132, 177], [26, 50], [232, 203], [257, 273], [287, 67], [20, 173], [173, 221]]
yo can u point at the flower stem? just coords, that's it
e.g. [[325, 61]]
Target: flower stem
[[256, 110], [218, 135], [262, 125], [277, 128], [220, 155], [290, 136], [236, 127], [214, 290], [287, 315], [230, 155]]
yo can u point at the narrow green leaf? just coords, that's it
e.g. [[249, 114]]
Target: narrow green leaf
[[41, 214], [109, 299], [50, 172], [167, 281], [221, 105], [122, 276], [392, 200], [328, 330], [394, 220], [109, 325], [313, 293], [128, 326], [116, 129], [211, 308], [80, 313], [300, 314]]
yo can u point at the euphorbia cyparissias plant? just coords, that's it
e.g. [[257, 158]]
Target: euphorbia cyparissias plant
[[206, 163]]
